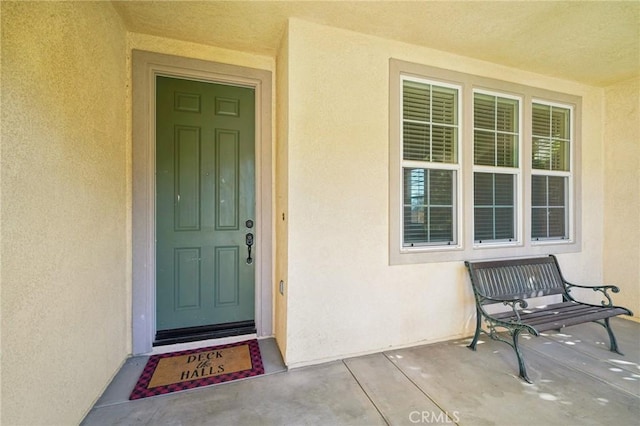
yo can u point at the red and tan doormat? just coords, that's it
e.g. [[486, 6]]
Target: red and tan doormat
[[190, 369]]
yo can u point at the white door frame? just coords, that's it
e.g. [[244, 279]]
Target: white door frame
[[145, 67]]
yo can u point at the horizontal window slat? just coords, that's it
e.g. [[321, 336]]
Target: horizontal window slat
[[494, 206], [428, 211], [548, 207]]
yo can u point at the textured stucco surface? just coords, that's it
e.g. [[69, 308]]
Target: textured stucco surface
[[593, 42], [343, 297], [199, 51], [64, 242], [281, 201], [66, 199], [622, 191]]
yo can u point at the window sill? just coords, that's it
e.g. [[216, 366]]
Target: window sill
[[408, 256]]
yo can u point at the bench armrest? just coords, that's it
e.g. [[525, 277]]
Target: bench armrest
[[508, 302], [604, 289]]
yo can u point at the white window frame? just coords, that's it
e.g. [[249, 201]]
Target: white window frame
[[570, 220], [465, 249], [433, 166], [516, 171]]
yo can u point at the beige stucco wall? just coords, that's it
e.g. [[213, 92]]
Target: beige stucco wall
[[281, 194], [343, 297], [65, 258], [66, 192], [622, 191], [199, 51]]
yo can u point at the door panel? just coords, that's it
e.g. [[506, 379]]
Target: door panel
[[205, 177], [227, 282], [187, 179], [227, 162]]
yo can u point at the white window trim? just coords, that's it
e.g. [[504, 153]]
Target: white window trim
[[466, 249], [570, 174], [457, 228], [516, 171]]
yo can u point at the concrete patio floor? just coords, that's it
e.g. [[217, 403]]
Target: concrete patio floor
[[577, 381]]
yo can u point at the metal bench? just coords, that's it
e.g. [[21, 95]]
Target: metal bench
[[512, 281]]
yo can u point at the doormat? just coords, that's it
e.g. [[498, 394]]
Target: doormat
[[176, 371]]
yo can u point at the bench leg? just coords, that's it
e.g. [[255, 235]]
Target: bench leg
[[473, 343], [613, 344], [521, 366]]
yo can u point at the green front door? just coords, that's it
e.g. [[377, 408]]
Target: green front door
[[205, 204]]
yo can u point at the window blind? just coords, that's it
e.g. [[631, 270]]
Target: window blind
[[551, 137], [548, 204], [429, 136], [495, 145], [430, 122], [494, 207], [551, 142], [428, 206]]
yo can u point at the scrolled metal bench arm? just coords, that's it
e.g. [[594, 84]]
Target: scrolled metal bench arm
[[507, 302], [604, 289]]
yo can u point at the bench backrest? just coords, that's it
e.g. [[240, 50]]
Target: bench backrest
[[516, 278]]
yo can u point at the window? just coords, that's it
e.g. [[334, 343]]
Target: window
[[430, 133], [496, 176], [480, 168], [551, 171]]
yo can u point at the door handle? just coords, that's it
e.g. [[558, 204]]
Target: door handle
[[248, 240]]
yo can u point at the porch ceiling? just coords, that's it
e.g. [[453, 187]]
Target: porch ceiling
[[596, 43]]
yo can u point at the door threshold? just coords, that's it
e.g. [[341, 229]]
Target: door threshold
[[192, 334], [176, 347]]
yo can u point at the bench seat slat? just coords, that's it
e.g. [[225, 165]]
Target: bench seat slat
[[540, 311], [560, 315]]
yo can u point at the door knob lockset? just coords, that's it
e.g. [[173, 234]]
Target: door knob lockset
[[248, 240]]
